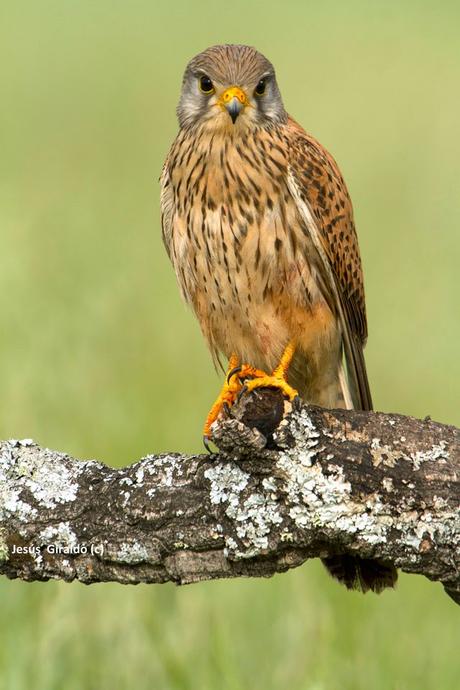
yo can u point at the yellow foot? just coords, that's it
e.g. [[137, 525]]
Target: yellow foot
[[246, 378], [272, 381], [234, 382], [245, 371], [278, 376], [226, 397]]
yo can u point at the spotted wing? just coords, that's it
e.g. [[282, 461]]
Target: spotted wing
[[325, 206], [167, 207]]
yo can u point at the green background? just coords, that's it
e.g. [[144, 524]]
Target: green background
[[98, 356]]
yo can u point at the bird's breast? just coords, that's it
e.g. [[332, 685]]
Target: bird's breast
[[238, 246]]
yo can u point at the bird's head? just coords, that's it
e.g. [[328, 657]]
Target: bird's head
[[230, 86]]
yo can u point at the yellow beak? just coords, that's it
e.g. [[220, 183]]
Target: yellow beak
[[233, 100]]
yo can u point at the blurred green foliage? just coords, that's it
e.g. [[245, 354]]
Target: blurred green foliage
[[99, 357]]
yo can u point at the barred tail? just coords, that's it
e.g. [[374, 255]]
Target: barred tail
[[362, 574]]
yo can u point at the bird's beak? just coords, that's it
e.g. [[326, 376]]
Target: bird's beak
[[233, 100]]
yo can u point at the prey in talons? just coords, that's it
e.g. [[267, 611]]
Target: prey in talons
[[244, 378]]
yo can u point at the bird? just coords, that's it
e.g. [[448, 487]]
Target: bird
[[258, 224]]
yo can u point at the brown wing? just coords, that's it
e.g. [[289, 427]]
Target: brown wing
[[325, 206], [166, 207]]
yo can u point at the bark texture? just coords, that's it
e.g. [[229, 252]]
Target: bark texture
[[287, 485]]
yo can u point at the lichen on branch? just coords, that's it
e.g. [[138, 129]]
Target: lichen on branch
[[287, 485]]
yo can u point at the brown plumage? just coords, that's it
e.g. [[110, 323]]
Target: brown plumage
[[258, 223]]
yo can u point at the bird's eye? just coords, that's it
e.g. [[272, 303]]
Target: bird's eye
[[260, 88], [206, 85]]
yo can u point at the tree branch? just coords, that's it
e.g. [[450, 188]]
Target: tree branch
[[287, 485]]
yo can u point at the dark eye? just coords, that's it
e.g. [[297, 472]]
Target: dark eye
[[260, 88], [206, 85]]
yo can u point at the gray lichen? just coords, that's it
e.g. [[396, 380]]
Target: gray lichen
[[318, 496], [61, 536], [132, 553], [4, 550], [319, 499], [389, 456], [41, 473], [10, 493], [253, 514], [166, 469], [227, 482], [379, 486]]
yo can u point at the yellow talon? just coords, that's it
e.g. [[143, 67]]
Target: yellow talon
[[245, 371], [278, 376], [249, 378], [227, 396], [272, 382]]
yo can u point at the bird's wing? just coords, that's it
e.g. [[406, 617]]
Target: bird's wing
[[167, 207], [324, 205]]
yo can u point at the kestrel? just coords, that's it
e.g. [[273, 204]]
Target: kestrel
[[258, 224]]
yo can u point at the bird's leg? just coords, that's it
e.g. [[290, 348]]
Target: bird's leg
[[240, 378], [277, 379], [233, 385]]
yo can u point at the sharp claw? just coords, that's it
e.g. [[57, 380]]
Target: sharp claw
[[226, 408], [231, 373], [297, 402], [243, 390], [206, 443]]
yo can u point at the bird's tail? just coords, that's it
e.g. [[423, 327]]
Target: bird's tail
[[332, 391], [363, 574]]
